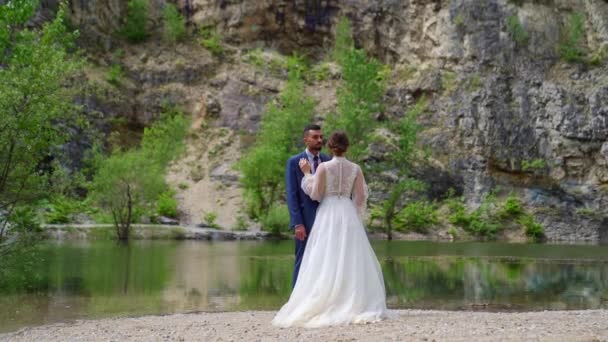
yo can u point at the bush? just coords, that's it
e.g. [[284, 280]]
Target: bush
[[211, 41], [255, 58], [459, 215], [61, 209], [344, 40], [482, 226], [318, 73], [136, 22], [481, 222], [511, 208], [174, 24], [417, 216], [517, 31], [276, 220], [573, 32], [166, 205], [533, 165], [359, 98], [241, 223], [209, 218], [128, 182], [533, 229], [263, 165], [114, 75]]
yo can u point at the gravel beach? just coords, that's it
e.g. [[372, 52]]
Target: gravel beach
[[411, 325]]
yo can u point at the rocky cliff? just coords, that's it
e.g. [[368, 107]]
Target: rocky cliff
[[505, 109]]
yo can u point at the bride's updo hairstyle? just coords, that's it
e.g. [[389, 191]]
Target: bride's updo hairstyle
[[338, 142]]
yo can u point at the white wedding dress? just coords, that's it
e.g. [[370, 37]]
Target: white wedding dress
[[340, 279]]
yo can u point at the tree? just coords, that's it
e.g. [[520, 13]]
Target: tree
[[36, 66], [174, 23], [128, 182], [135, 27], [359, 95], [263, 166], [406, 130]]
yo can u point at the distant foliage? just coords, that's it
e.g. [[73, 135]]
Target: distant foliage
[[60, 209], [417, 216], [343, 41], [37, 113], [174, 24], [406, 130], [211, 40], [533, 165], [492, 216], [511, 208], [517, 31], [532, 228], [263, 165], [129, 182], [135, 27], [210, 218], [277, 219], [166, 205], [359, 95], [115, 75], [572, 40]]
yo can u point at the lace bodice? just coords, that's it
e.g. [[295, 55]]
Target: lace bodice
[[338, 177]]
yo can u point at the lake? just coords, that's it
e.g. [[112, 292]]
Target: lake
[[94, 279]]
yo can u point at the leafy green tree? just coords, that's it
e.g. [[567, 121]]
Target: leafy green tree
[[135, 27], [129, 182], [174, 24], [359, 95], [406, 130], [263, 166], [36, 66], [343, 41]]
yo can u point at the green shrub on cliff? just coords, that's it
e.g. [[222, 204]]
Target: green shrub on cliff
[[517, 31], [532, 228], [135, 27], [417, 216], [211, 40], [344, 40], [174, 23], [573, 33]]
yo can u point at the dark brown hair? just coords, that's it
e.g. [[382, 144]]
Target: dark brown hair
[[338, 142], [311, 127]]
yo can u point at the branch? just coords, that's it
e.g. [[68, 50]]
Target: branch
[[7, 166]]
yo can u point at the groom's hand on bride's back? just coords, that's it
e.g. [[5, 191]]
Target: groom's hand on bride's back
[[300, 232]]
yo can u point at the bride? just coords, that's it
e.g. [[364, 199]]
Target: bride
[[340, 280]]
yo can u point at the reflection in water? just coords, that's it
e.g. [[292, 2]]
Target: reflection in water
[[100, 279]]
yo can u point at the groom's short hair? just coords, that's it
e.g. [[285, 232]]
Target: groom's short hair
[[311, 127]]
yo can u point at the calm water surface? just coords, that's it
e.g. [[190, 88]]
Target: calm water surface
[[75, 280]]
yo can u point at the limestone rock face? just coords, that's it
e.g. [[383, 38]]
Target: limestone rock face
[[506, 110]]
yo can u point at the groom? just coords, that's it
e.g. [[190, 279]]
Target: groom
[[302, 209]]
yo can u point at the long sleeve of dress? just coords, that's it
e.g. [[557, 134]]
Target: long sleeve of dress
[[314, 185], [360, 193]]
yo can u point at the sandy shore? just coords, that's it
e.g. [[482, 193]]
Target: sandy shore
[[412, 325]]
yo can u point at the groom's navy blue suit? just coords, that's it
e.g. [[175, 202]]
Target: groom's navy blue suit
[[302, 209]]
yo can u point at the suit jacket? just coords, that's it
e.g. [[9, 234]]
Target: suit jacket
[[302, 209]]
